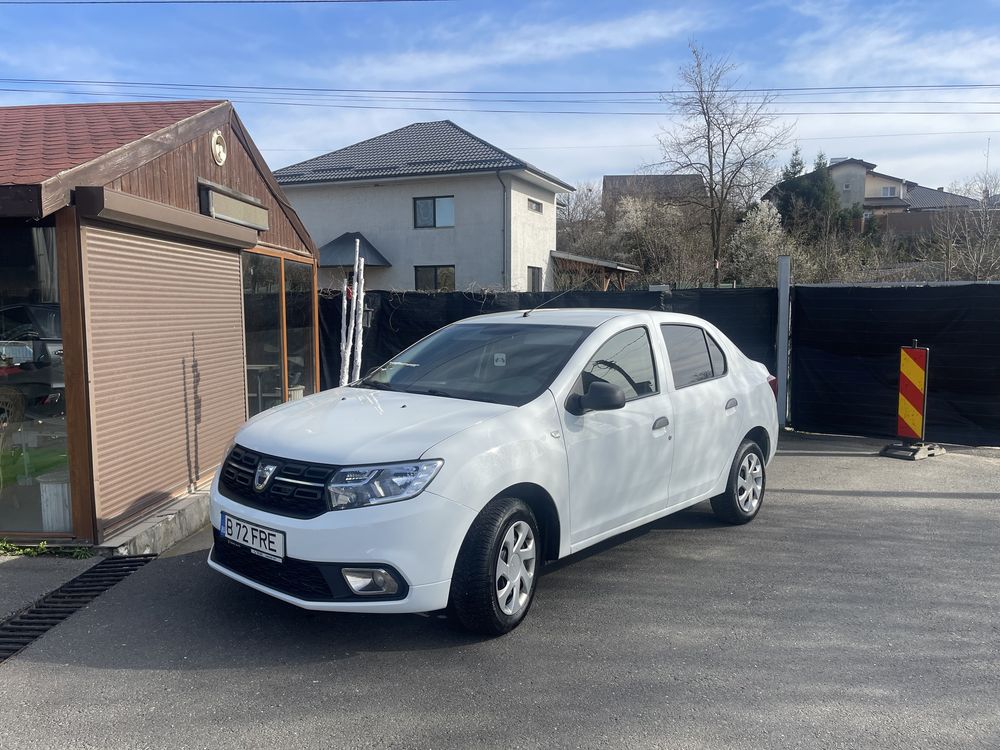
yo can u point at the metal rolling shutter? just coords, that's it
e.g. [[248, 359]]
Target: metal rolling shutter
[[166, 365]]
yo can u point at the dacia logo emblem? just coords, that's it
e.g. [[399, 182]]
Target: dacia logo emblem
[[263, 476]]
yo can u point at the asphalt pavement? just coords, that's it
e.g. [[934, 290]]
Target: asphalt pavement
[[861, 609]]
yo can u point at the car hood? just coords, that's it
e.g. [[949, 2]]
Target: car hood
[[361, 426]]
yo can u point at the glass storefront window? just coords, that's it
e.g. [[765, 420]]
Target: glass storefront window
[[299, 328], [34, 470], [262, 294]]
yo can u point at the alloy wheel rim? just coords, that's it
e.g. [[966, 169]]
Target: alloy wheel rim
[[750, 483], [515, 568]]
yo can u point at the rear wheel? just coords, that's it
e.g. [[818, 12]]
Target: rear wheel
[[745, 491], [495, 575]]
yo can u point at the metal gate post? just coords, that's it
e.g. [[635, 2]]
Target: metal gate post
[[784, 310]]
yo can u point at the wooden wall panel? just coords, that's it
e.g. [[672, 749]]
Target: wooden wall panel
[[173, 179]]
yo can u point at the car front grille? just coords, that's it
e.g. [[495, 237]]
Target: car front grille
[[298, 578], [296, 489]]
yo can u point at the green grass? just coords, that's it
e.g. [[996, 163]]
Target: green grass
[[10, 549]]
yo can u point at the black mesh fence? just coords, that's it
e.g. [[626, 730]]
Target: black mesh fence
[[845, 359]]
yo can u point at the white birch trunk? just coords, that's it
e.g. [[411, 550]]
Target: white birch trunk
[[343, 332], [345, 363], [359, 321]]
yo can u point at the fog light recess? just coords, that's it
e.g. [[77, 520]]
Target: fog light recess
[[371, 581]]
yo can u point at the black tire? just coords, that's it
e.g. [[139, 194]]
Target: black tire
[[473, 602], [727, 506]]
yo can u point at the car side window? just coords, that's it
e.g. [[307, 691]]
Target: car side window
[[694, 355], [625, 360]]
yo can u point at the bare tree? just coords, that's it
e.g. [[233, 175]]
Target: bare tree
[[580, 223], [967, 239], [666, 241], [728, 135]]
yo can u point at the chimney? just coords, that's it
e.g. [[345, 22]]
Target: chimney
[[940, 189]]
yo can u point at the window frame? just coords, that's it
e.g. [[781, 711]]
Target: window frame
[[282, 256], [532, 203], [434, 211], [890, 191], [706, 336], [576, 389], [531, 279], [437, 287]]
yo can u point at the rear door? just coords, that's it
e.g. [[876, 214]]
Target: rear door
[[619, 460], [707, 414]]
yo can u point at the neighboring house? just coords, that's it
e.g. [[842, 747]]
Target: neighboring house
[[901, 206], [434, 208], [879, 194], [676, 189]]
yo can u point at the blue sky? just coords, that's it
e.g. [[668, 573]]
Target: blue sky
[[545, 45]]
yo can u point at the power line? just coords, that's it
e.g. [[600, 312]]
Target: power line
[[592, 146], [799, 90], [481, 110]]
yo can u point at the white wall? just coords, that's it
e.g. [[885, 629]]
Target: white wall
[[533, 235], [483, 247], [383, 212]]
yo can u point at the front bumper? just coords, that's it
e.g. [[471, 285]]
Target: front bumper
[[418, 538]]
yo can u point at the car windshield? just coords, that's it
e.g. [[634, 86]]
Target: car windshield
[[503, 363]]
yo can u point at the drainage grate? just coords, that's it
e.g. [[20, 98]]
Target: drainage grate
[[32, 623]]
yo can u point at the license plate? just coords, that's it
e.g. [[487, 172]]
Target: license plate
[[265, 542]]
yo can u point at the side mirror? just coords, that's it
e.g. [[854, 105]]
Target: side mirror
[[599, 397]]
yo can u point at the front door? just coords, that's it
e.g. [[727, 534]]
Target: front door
[[619, 460]]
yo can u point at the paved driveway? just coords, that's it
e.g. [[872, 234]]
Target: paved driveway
[[861, 609]]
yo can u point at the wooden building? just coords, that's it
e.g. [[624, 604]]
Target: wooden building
[[156, 289]]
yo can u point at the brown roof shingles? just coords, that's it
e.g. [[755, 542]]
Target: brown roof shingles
[[39, 142]]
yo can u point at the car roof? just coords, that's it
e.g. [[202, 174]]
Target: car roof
[[590, 317]]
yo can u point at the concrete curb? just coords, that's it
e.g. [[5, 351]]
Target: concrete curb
[[175, 522]]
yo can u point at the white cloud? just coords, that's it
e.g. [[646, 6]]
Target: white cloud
[[900, 43], [527, 45]]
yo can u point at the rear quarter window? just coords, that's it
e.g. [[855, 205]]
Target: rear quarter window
[[694, 355]]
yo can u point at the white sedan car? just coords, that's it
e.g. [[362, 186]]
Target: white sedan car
[[448, 476]]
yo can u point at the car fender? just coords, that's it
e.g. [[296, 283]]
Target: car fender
[[522, 446]]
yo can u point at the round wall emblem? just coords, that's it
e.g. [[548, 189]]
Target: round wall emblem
[[218, 148]]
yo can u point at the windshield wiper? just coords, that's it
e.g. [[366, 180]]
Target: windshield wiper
[[375, 386], [432, 392]]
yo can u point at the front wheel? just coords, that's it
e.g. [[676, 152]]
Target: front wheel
[[495, 575], [745, 491]]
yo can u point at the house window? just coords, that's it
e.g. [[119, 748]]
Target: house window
[[434, 278], [847, 186], [535, 206], [889, 192], [434, 212], [534, 279]]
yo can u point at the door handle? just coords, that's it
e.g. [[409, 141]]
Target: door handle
[[660, 423], [732, 404]]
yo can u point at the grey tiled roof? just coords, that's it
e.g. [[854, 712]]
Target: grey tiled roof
[[420, 149], [923, 198]]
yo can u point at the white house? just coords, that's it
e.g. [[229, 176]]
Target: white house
[[435, 208]]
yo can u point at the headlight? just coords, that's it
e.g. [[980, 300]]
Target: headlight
[[357, 486]]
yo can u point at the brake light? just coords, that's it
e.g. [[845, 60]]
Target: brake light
[[773, 382]]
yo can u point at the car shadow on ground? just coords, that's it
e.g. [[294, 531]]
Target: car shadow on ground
[[177, 613]]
